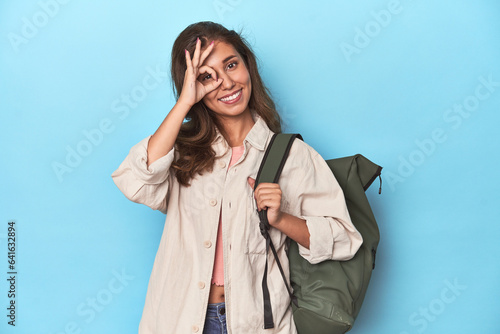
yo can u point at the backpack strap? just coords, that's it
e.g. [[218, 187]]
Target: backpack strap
[[269, 171]]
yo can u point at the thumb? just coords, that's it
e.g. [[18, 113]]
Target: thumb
[[215, 84], [251, 182]]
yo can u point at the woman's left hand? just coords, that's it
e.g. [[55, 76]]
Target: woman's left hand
[[268, 196]]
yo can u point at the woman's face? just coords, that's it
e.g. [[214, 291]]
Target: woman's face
[[230, 98]]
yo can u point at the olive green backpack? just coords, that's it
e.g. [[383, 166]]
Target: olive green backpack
[[327, 296]]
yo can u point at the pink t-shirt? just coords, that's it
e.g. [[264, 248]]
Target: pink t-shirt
[[218, 272]]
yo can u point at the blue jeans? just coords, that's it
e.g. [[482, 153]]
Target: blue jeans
[[215, 321]]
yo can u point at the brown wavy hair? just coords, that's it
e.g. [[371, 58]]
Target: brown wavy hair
[[197, 133]]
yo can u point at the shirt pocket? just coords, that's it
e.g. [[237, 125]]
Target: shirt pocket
[[255, 242]]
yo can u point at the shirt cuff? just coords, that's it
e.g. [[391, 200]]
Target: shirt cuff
[[329, 240], [155, 173]]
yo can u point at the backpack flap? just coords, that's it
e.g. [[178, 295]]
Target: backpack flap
[[357, 164]]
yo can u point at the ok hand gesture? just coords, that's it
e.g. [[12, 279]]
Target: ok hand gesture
[[193, 90]]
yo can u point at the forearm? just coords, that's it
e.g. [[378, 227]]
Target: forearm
[[163, 140], [295, 228]]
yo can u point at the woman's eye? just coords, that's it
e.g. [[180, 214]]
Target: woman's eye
[[231, 65], [208, 76]]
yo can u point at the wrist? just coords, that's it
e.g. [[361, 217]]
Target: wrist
[[279, 220], [184, 105]]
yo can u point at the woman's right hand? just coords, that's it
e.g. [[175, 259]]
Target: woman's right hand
[[193, 90]]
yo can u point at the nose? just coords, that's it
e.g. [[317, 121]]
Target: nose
[[228, 82]]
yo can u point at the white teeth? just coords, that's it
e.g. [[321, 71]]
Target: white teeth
[[232, 97]]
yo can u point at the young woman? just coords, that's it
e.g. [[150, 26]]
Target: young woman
[[199, 167]]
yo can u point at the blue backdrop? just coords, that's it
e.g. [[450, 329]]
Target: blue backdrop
[[412, 85]]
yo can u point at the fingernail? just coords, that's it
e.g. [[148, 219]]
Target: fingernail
[[185, 51], [212, 42], [197, 39]]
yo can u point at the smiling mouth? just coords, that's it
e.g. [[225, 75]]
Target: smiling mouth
[[231, 98]]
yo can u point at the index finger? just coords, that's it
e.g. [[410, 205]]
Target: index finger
[[207, 51]]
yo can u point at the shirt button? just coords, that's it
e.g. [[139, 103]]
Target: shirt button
[[201, 285], [213, 202], [195, 329], [222, 164], [207, 244]]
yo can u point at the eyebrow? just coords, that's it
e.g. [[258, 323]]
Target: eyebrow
[[232, 56]]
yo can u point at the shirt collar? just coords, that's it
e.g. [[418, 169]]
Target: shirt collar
[[257, 137]]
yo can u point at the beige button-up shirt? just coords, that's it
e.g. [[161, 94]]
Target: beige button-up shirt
[[177, 295]]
